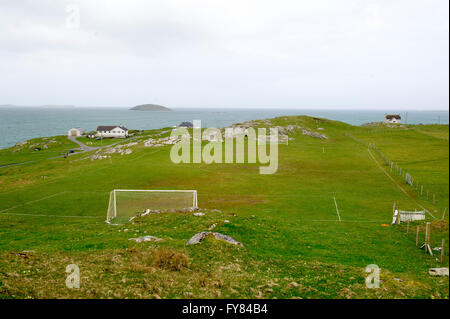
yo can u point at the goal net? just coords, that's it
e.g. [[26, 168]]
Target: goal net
[[126, 203]]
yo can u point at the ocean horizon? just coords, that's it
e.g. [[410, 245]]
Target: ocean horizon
[[23, 123]]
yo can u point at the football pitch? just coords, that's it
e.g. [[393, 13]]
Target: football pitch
[[309, 230]]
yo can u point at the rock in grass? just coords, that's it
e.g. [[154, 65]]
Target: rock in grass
[[199, 214], [197, 238], [438, 271], [314, 134], [146, 238], [227, 238]]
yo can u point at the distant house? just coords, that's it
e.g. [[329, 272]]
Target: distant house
[[186, 124], [76, 132], [112, 131], [393, 118]]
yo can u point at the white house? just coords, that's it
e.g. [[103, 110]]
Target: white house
[[393, 118], [112, 131], [76, 131]]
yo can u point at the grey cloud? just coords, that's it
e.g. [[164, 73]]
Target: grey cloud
[[216, 53]]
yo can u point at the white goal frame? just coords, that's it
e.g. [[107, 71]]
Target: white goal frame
[[194, 197]]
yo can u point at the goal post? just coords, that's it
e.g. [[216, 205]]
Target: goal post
[[126, 203]]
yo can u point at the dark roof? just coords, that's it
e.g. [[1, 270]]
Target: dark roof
[[109, 128], [393, 116], [186, 124]]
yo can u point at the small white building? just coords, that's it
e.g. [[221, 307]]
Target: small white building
[[393, 118], [76, 131], [112, 131]]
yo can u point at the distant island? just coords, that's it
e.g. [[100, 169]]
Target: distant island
[[150, 107], [43, 106]]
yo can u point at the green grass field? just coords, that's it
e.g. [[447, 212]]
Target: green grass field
[[52, 214]]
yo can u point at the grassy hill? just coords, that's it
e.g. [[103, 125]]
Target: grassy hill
[[25, 151], [295, 244]]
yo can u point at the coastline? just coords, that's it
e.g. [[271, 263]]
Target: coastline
[[20, 124]]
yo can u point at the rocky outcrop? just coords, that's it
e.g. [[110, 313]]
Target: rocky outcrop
[[122, 149], [157, 142], [227, 238], [18, 144], [97, 157], [314, 134], [199, 237]]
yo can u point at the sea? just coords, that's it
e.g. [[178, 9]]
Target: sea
[[23, 123]]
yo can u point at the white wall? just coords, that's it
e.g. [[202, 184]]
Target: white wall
[[75, 132], [392, 121]]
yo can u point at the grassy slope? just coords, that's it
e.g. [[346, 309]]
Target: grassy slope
[[426, 159], [295, 247], [25, 153]]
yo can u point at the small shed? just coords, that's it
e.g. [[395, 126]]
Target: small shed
[[76, 132]]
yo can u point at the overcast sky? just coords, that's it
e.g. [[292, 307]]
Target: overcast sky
[[363, 54]]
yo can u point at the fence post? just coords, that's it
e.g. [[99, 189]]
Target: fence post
[[427, 239], [442, 250], [417, 235]]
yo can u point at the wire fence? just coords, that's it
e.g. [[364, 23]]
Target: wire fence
[[396, 170], [431, 237]]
